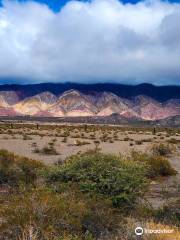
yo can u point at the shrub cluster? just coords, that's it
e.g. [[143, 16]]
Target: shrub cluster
[[15, 170], [162, 149], [113, 177], [156, 165]]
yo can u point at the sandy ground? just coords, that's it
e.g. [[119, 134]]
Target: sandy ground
[[22, 147]]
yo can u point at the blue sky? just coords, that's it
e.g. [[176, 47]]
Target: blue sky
[[57, 4], [102, 41]]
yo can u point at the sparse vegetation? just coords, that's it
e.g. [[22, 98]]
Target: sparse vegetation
[[173, 141], [48, 150], [64, 140], [169, 213], [90, 195], [138, 142], [81, 143], [26, 137], [15, 170], [161, 149], [157, 165]]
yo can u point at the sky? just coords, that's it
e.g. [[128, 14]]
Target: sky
[[128, 42]]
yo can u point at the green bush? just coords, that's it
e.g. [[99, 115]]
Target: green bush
[[15, 170], [156, 165], [113, 177]]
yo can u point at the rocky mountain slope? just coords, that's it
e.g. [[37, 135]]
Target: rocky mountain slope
[[73, 103]]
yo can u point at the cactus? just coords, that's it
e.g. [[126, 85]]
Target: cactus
[[154, 130]]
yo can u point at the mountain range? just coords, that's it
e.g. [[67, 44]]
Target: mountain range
[[159, 93], [15, 100]]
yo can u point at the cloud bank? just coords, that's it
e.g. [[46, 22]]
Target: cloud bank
[[95, 41]]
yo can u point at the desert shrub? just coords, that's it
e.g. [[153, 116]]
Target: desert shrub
[[36, 150], [115, 136], [81, 143], [64, 140], [76, 136], [160, 166], [15, 170], [54, 140], [9, 132], [96, 142], [92, 136], [26, 137], [51, 144], [65, 134], [156, 165], [49, 215], [138, 142], [49, 150], [104, 137], [126, 139], [107, 175], [161, 149], [173, 141], [147, 140]]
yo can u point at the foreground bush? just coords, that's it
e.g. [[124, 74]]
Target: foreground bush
[[105, 175], [160, 166], [156, 165], [15, 170], [161, 149]]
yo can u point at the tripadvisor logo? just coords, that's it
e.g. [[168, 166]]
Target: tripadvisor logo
[[140, 231]]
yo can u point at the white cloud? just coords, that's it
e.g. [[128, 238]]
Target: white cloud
[[94, 41]]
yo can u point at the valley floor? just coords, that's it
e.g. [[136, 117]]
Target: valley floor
[[23, 139]]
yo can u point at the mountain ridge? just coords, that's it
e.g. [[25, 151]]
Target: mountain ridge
[[159, 93], [74, 103]]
